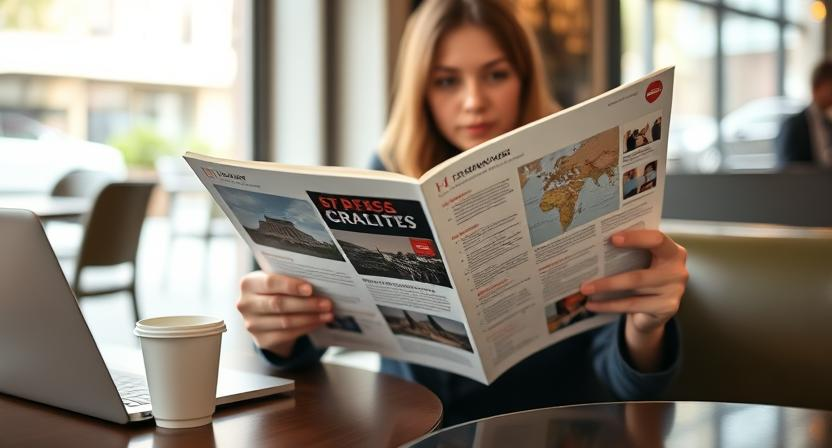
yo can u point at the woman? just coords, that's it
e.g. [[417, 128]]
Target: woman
[[641, 137], [630, 183], [649, 177], [467, 73]]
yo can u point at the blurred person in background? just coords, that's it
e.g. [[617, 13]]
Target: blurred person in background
[[806, 138]]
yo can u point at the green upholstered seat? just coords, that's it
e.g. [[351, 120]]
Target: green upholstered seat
[[756, 318]]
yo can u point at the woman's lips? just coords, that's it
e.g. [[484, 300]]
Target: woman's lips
[[477, 129]]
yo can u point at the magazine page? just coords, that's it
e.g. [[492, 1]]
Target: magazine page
[[363, 240], [526, 217]]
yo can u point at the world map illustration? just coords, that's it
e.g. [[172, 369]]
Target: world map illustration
[[571, 186]]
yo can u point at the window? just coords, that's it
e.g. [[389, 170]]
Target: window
[[145, 77], [564, 30], [742, 67]]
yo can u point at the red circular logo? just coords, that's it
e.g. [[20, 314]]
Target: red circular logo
[[654, 90]]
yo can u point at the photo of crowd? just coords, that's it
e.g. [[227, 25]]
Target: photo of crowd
[[566, 311], [642, 132], [392, 256], [639, 179]]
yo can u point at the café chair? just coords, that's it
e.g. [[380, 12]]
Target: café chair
[[82, 183], [191, 211], [65, 233], [790, 197], [756, 317], [111, 239]]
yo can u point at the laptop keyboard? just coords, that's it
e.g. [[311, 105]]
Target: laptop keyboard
[[132, 389]]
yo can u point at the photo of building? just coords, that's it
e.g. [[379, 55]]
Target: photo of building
[[280, 222], [282, 234]]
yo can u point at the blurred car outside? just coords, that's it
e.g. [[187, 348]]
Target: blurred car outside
[[691, 145], [748, 135], [34, 157]]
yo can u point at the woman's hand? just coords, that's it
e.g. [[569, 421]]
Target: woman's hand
[[278, 309], [655, 294]]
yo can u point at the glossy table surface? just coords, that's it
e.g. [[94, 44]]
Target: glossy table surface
[[331, 406], [644, 424]]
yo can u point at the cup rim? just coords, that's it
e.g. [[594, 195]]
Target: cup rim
[[179, 326]]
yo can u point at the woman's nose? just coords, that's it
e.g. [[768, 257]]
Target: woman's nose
[[475, 99]]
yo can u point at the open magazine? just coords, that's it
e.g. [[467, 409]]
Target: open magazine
[[476, 265]]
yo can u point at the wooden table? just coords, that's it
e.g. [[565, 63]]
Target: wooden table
[[46, 206], [331, 406], [644, 425]]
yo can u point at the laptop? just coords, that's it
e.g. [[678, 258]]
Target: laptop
[[47, 353]]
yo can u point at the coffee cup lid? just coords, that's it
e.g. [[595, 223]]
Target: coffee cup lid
[[179, 327]]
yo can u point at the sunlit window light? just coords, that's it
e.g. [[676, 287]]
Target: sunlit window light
[[817, 11]]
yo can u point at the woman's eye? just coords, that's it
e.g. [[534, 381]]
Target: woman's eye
[[445, 81], [498, 75]]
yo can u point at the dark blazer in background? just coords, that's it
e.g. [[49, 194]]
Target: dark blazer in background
[[794, 142]]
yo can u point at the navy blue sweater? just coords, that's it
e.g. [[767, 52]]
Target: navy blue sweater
[[588, 367]]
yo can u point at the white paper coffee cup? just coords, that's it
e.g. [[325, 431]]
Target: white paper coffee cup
[[181, 361]]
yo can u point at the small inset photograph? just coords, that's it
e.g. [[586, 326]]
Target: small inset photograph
[[344, 323], [638, 133], [649, 176], [639, 179], [426, 326], [280, 222], [400, 257], [567, 311]]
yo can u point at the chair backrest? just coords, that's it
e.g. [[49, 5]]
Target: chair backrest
[[82, 183], [794, 197], [756, 317], [113, 227]]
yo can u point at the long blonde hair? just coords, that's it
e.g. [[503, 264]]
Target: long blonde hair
[[411, 143]]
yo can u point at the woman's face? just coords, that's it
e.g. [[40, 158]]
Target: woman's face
[[473, 92]]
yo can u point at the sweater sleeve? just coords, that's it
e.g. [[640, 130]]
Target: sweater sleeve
[[624, 381], [376, 163], [303, 354]]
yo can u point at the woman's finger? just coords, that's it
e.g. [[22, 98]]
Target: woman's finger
[[286, 322], [659, 244], [260, 282], [270, 339], [280, 304], [661, 305], [638, 279]]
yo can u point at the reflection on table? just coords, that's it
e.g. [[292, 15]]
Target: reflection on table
[[46, 206], [644, 424]]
